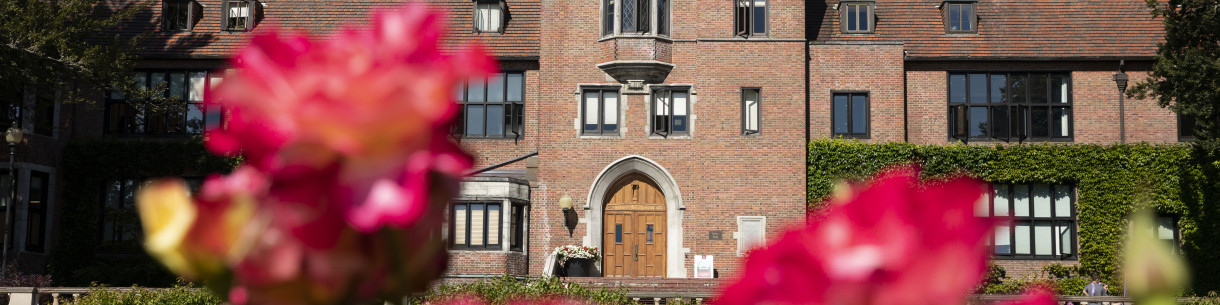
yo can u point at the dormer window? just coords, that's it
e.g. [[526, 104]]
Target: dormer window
[[489, 16], [178, 15], [960, 17], [635, 17], [239, 15], [856, 17]]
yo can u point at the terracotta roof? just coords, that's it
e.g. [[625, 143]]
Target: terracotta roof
[[1011, 29], [206, 39]]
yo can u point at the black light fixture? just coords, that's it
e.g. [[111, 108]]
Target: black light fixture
[[569, 214], [13, 136], [1120, 79]]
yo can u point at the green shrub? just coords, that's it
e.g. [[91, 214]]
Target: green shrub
[[1211, 299], [506, 288], [1111, 181], [1059, 271], [181, 294]]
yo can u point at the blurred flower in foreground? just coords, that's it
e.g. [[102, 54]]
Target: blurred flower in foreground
[[896, 240], [1153, 272], [347, 169]]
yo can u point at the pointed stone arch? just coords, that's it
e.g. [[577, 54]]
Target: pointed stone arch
[[595, 206]]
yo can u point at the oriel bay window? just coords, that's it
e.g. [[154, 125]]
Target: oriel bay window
[[1012, 107], [635, 17], [482, 225], [670, 109], [599, 112], [493, 107], [1043, 222], [165, 102]]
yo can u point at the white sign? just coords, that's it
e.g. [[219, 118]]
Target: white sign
[[703, 267]]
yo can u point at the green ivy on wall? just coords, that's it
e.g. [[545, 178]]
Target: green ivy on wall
[[1110, 180], [80, 258]]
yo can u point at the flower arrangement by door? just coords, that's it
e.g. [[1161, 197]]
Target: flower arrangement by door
[[577, 260]]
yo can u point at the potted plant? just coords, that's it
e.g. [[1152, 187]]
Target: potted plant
[[577, 260]]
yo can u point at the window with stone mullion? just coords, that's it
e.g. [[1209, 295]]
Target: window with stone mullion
[[480, 226], [599, 112], [670, 110]]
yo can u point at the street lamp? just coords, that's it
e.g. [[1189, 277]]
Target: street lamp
[[13, 136], [1120, 79]]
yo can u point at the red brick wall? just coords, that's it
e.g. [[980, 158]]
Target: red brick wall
[[1094, 101], [875, 68], [721, 174], [486, 262], [1029, 269], [492, 151]]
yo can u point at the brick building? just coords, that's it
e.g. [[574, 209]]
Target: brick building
[[674, 129]]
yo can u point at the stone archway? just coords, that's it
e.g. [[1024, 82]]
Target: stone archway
[[674, 208]]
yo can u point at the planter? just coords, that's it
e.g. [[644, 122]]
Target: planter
[[578, 267]]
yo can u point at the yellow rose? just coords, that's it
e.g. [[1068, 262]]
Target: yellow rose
[[167, 214]]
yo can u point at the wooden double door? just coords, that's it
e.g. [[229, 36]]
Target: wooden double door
[[634, 227]]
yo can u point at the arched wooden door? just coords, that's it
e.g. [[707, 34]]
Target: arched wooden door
[[634, 241]]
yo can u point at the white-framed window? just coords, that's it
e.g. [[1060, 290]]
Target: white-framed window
[[751, 233], [489, 16]]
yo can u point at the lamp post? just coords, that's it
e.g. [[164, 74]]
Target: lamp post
[[1120, 79], [13, 136]]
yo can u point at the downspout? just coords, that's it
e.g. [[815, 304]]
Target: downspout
[[906, 119], [808, 137], [1120, 79]]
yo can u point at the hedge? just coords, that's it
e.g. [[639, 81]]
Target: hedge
[[1111, 181], [505, 289]]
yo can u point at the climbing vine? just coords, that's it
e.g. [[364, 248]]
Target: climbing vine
[[1111, 181]]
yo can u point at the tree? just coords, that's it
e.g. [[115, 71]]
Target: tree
[[1186, 75], [64, 46]]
